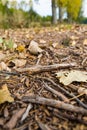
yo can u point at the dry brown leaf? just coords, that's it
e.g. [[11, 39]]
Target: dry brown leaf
[[85, 42], [55, 44], [42, 41], [3, 66], [67, 77], [2, 120], [5, 95], [82, 90], [14, 45], [73, 43], [2, 56], [19, 62]]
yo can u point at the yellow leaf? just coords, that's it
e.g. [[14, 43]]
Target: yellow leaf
[[5, 95], [20, 48]]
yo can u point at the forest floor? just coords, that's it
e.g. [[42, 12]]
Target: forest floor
[[32, 96]]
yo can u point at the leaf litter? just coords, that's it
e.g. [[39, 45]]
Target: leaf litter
[[67, 77], [34, 98]]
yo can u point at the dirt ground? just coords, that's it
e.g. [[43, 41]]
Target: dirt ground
[[41, 102]]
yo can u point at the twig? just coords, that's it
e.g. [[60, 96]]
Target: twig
[[66, 116], [26, 112], [22, 127], [13, 121], [63, 90], [59, 94], [54, 103], [9, 73], [42, 125], [39, 58], [84, 60], [40, 68]]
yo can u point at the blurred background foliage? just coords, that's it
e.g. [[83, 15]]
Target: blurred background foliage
[[14, 15]]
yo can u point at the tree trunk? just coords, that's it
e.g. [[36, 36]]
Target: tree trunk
[[54, 13], [60, 14], [69, 18]]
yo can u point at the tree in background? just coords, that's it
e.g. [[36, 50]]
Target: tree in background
[[14, 14], [61, 5], [54, 12], [73, 9]]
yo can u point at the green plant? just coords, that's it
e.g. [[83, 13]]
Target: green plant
[[8, 44]]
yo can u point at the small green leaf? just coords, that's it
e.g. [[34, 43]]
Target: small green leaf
[[1, 40]]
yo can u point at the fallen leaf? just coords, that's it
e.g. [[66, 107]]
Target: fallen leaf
[[82, 90], [2, 56], [3, 66], [14, 45], [85, 42], [19, 62], [85, 118], [67, 77], [5, 95], [73, 43], [42, 41], [55, 44], [74, 38], [2, 121], [34, 48], [20, 48]]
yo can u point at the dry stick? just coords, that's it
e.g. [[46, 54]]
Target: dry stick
[[9, 73], [66, 116], [84, 60], [40, 68], [42, 125], [63, 90], [59, 94], [39, 58], [22, 127], [54, 103], [13, 121]]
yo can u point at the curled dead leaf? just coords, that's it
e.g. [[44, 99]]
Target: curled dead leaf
[[34, 48]]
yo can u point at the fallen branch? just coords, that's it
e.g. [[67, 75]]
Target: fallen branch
[[54, 103], [40, 68]]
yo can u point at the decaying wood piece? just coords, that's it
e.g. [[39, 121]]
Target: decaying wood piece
[[40, 68], [54, 103]]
